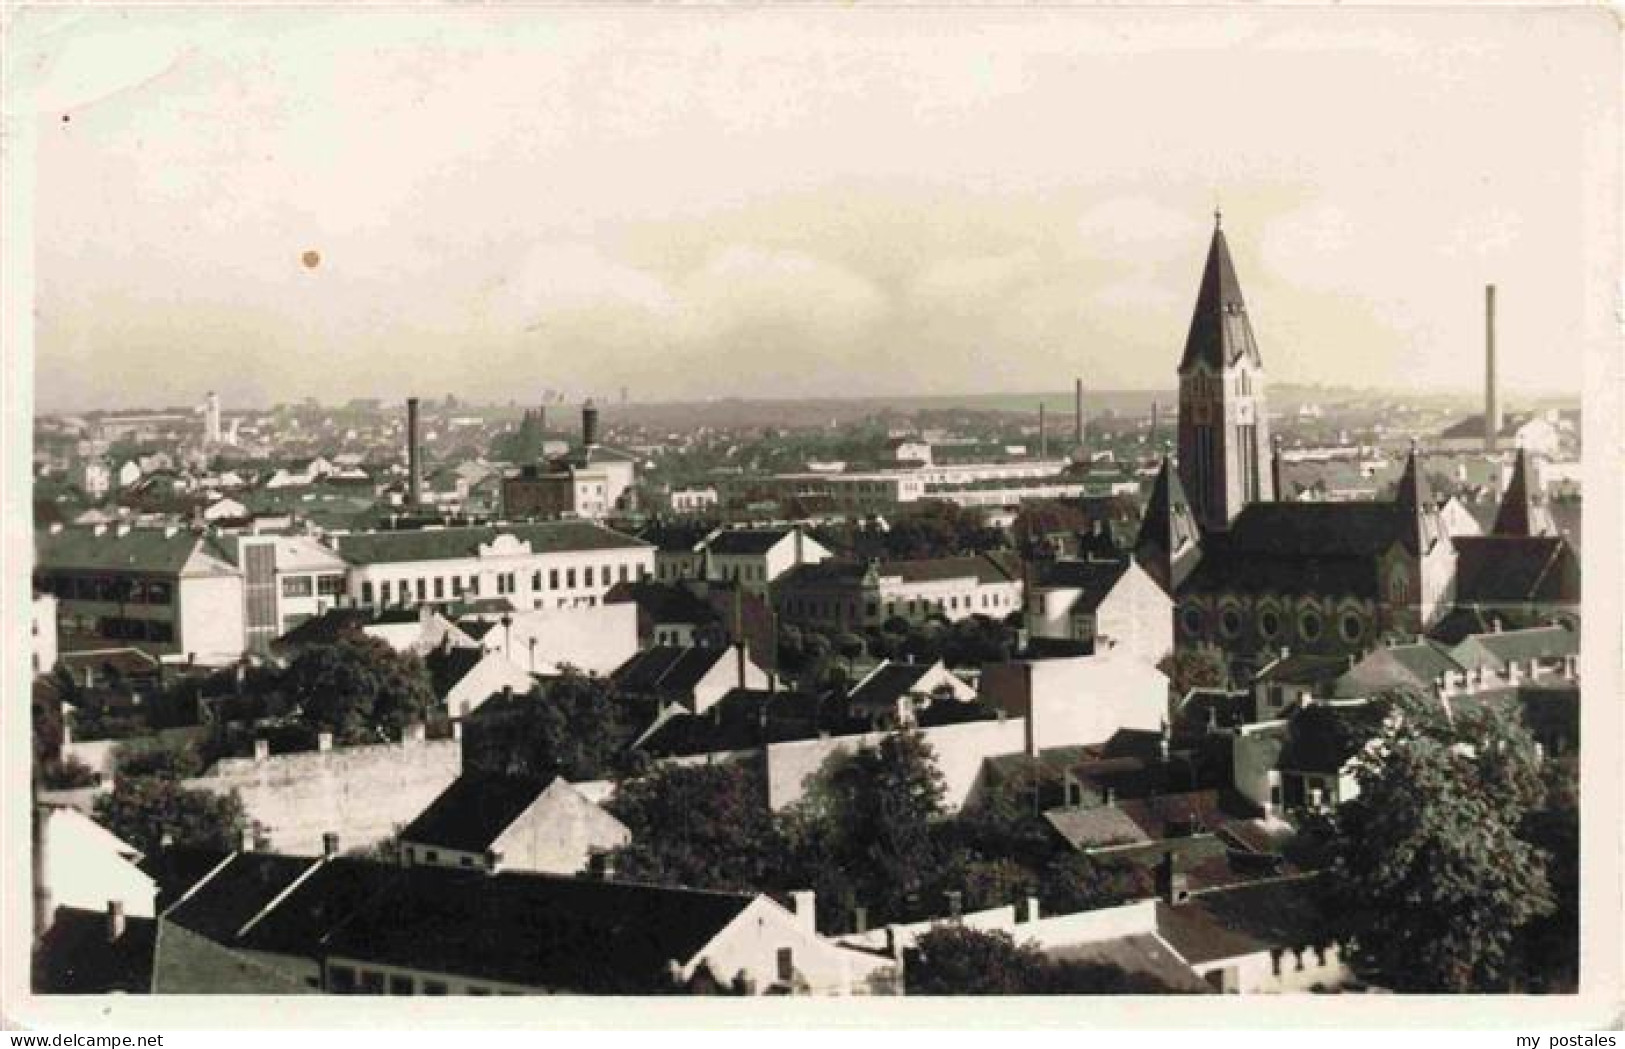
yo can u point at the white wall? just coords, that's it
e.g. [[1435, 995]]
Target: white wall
[[209, 617], [488, 677], [594, 640], [86, 866], [1080, 700]]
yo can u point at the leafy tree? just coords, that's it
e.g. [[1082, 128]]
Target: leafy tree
[[706, 826], [879, 805], [1072, 882], [1194, 668], [955, 959], [69, 774], [1549, 946], [1432, 881], [359, 689], [144, 809], [574, 726], [179, 761]]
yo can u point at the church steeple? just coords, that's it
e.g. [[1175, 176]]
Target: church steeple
[[1414, 497], [1223, 422], [1169, 543], [1220, 333], [1523, 511]]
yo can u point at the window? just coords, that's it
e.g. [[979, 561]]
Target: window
[[456, 586], [330, 585], [1230, 622], [298, 586], [1309, 625], [787, 964], [465, 861], [401, 985], [372, 982], [536, 579], [435, 987], [570, 578], [341, 979], [431, 856], [587, 576], [623, 573], [1191, 620], [552, 578], [479, 992], [384, 587], [366, 591], [439, 587], [1351, 626], [423, 589], [1269, 622]]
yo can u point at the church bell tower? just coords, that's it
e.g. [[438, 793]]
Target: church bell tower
[[1224, 435]]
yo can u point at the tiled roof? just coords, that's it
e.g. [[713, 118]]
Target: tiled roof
[[236, 893], [1315, 574], [318, 905], [74, 956], [439, 544], [886, 684], [1244, 919], [1092, 828], [138, 550], [1362, 529], [1517, 646], [663, 602], [1138, 955], [1095, 578], [565, 934], [1302, 668], [473, 812], [743, 719]]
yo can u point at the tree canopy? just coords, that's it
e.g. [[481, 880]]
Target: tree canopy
[[574, 726], [358, 688], [1432, 880], [954, 959], [706, 826], [143, 810]]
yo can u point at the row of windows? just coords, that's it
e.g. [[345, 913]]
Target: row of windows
[[436, 588], [1311, 624], [914, 606], [118, 628], [342, 979], [305, 586], [113, 589]]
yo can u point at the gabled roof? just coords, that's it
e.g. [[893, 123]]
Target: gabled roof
[[236, 893], [1303, 668], [1417, 665], [448, 666], [743, 719], [1522, 511], [663, 602], [538, 930], [1093, 828], [1168, 525], [668, 670], [1243, 920], [1496, 650], [1220, 333], [74, 956], [1094, 579], [984, 568], [1317, 529], [473, 812], [440, 544], [156, 550], [1505, 569], [740, 542]]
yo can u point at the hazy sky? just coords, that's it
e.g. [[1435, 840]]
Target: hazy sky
[[705, 202]]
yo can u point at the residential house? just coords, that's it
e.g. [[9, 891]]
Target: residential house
[[1101, 604], [508, 823], [592, 640], [894, 693], [463, 678], [287, 579], [849, 595], [691, 678], [1267, 937], [87, 867]]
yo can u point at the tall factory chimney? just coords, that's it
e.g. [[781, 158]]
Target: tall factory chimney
[[1077, 410], [1492, 403], [589, 425], [1043, 433], [414, 458]]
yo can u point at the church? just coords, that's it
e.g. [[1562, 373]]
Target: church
[[1252, 575]]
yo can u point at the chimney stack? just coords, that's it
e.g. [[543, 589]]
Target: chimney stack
[[589, 425], [414, 462], [330, 844], [1492, 404], [1077, 408], [115, 920]]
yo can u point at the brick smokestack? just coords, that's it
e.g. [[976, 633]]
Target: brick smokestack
[[414, 458], [589, 425], [1077, 411], [1492, 404]]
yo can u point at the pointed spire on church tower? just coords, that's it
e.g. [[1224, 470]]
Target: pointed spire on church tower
[[1415, 499], [1169, 543], [1523, 510], [1220, 333]]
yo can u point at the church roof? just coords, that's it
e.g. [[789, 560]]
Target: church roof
[[1509, 569], [1220, 333], [1522, 511], [1316, 529]]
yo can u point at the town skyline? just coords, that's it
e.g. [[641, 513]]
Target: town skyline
[[283, 199]]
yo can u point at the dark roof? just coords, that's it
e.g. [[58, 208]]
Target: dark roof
[[1473, 426], [325, 629], [886, 684], [1302, 668], [835, 571], [473, 812], [663, 602], [744, 719], [318, 905], [448, 666], [1516, 513], [985, 568], [1228, 710], [137, 550], [437, 544], [668, 670], [745, 541], [1172, 815], [1244, 919], [176, 870], [1095, 578], [1495, 569], [567, 934], [1168, 523], [1220, 333], [75, 957], [676, 536], [1319, 575], [1137, 955], [1299, 529], [236, 893]]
